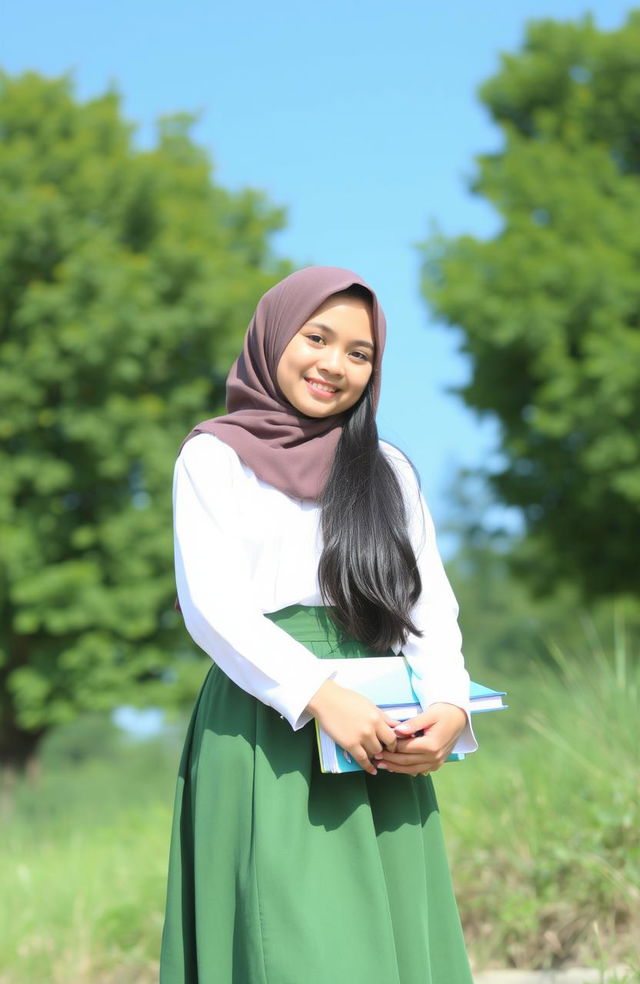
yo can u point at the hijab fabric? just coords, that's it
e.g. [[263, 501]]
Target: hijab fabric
[[282, 446]]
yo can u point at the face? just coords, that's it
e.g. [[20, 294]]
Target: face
[[328, 363]]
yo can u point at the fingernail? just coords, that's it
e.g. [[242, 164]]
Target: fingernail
[[381, 765], [379, 755]]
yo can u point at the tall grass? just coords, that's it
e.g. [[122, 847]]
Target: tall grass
[[82, 869], [542, 826], [544, 823]]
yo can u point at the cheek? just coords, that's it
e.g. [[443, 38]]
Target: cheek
[[364, 378], [358, 386], [288, 371], [289, 359], [281, 373]]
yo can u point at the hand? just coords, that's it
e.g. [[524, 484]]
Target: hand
[[437, 729], [354, 722]]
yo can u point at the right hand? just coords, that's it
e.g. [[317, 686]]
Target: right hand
[[354, 722]]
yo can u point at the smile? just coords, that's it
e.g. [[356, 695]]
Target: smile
[[323, 389]]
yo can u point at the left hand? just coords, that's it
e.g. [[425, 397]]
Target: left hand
[[442, 725]]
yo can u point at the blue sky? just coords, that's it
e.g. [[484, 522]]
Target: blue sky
[[359, 117]]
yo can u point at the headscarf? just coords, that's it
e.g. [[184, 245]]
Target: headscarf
[[282, 446]]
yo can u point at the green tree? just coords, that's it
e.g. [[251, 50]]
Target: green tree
[[549, 307], [507, 629], [127, 278]]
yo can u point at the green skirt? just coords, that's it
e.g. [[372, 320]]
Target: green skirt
[[279, 874]]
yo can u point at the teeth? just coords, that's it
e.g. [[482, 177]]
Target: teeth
[[319, 386]]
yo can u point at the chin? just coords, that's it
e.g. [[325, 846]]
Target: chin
[[318, 414]]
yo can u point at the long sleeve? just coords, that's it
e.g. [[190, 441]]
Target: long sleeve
[[216, 589], [435, 658]]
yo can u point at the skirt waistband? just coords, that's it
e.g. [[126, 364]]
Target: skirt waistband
[[313, 626]]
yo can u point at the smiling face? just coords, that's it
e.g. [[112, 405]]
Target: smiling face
[[328, 363]]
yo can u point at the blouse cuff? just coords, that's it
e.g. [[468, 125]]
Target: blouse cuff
[[291, 701], [466, 742]]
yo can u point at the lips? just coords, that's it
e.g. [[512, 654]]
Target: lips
[[318, 386]]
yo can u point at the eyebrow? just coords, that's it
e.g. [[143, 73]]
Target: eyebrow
[[362, 341]]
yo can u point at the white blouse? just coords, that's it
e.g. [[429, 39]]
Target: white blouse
[[243, 548]]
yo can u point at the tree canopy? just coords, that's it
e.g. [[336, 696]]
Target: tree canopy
[[127, 278], [549, 308]]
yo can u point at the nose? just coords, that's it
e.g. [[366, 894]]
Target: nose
[[331, 360]]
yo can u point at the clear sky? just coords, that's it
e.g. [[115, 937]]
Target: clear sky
[[359, 116]]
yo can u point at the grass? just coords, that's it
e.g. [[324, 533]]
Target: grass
[[543, 824], [83, 862], [542, 827], [87, 909]]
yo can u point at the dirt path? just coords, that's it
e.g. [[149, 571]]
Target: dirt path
[[574, 975]]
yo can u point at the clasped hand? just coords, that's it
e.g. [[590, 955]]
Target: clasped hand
[[377, 741], [436, 732]]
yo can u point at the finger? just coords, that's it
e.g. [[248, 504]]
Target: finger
[[373, 746], [392, 722], [416, 745], [387, 737], [359, 754], [418, 723], [416, 734], [407, 770], [384, 740], [397, 758]]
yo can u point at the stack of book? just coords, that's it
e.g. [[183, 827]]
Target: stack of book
[[386, 681]]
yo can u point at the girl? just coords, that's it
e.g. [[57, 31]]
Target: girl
[[300, 537]]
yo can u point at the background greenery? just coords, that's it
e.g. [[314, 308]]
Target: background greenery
[[126, 281], [542, 830], [549, 308]]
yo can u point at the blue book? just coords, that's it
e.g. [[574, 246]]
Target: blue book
[[386, 681]]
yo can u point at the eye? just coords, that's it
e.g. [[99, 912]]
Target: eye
[[361, 356], [317, 339]]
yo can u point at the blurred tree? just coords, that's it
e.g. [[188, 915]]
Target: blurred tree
[[507, 629], [550, 307], [127, 278]]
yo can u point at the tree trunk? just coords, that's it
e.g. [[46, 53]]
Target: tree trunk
[[19, 749], [18, 746]]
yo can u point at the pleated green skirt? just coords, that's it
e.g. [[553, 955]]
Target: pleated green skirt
[[279, 874]]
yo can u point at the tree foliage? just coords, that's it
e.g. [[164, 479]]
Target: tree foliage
[[508, 630], [550, 306], [127, 278]]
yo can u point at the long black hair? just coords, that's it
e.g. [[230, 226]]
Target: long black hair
[[368, 572]]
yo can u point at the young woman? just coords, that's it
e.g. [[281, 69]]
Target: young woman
[[300, 538]]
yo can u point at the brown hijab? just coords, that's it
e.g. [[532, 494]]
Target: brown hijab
[[283, 447]]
